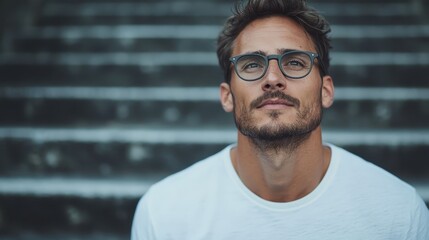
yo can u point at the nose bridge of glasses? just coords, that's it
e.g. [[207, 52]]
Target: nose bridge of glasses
[[274, 70], [276, 64]]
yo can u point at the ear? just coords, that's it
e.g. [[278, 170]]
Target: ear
[[226, 97], [328, 91]]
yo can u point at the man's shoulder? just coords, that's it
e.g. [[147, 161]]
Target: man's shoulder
[[356, 171], [187, 192], [370, 193], [194, 179]]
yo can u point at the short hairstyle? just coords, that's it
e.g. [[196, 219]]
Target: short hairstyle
[[244, 12]]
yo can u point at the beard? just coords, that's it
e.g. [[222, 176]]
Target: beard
[[276, 134]]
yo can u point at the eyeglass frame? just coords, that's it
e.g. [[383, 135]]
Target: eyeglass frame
[[278, 57]]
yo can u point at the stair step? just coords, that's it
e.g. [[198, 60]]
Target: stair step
[[133, 45], [159, 59], [193, 94], [201, 31], [23, 235], [191, 12], [89, 188], [200, 38], [145, 73], [360, 137], [99, 189], [112, 158], [29, 151], [195, 8], [195, 20], [189, 107], [29, 215], [370, 113]]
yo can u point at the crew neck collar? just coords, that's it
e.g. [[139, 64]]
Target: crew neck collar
[[283, 206]]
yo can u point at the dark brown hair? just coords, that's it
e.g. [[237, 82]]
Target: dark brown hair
[[245, 12]]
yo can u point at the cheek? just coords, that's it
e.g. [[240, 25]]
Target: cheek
[[311, 98], [239, 105], [240, 98]]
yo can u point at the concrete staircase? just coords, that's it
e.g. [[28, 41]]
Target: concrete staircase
[[100, 99]]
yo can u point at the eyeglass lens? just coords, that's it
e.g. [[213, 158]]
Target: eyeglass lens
[[294, 65]]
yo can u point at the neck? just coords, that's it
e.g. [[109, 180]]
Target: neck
[[284, 170]]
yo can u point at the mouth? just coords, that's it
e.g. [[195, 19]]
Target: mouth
[[275, 103], [275, 100]]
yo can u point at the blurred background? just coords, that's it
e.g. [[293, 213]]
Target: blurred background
[[99, 99]]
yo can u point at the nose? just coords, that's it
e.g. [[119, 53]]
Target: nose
[[274, 79]]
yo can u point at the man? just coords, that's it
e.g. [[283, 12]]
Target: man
[[280, 181]]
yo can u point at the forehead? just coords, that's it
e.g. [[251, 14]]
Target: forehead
[[271, 34]]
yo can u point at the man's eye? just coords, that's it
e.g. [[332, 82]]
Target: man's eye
[[252, 65], [294, 65]]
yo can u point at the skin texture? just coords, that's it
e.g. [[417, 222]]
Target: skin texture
[[279, 154]]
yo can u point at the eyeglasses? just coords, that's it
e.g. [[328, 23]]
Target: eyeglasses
[[293, 64]]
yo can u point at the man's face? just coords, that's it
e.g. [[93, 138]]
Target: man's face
[[276, 107]]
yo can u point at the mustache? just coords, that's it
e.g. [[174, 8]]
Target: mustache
[[268, 95]]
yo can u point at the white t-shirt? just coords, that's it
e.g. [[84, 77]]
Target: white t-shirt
[[354, 200]]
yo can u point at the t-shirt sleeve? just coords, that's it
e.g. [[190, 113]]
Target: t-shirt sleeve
[[419, 225], [142, 228]]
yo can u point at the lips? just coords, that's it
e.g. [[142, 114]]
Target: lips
[[275, 102]]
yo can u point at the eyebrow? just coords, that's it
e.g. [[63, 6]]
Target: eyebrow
[[260, 52], [279, 51], [285, 50]]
